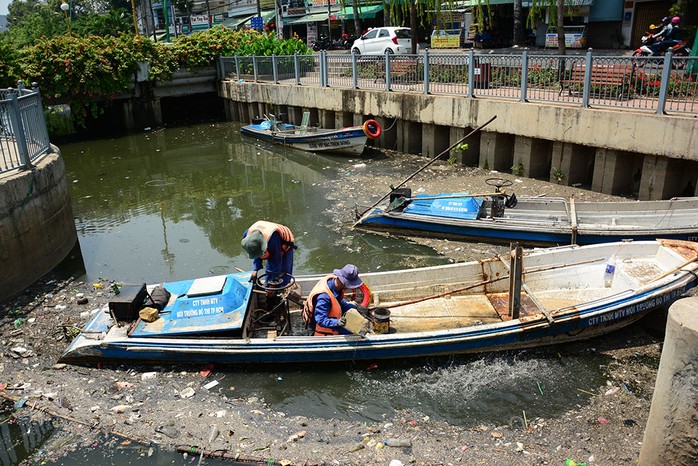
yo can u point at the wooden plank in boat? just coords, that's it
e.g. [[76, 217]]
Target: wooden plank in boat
[[500, 302]]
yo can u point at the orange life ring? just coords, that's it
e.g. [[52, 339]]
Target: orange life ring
[[365, 291], [372, 129]]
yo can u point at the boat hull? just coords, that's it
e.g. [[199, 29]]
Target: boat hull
[[572, 304], [349, 141], [540, 221]]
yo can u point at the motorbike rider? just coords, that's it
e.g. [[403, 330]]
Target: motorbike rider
[[667, 37]]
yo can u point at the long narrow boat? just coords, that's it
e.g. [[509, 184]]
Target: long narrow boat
[[535, 220], [350, 140], [559, 295]]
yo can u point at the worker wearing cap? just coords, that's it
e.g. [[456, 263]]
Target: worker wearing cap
[[326, 300], [274, 243]]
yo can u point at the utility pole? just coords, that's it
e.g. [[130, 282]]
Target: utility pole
[[167, 20], [208, 10], [135, 16]]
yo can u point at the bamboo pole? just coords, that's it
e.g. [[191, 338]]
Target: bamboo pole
[[446, 151], [225, 454]]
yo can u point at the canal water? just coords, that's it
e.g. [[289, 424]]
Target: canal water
[[172, 204]]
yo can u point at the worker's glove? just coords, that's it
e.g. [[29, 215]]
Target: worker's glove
[[253, 277], [342, 321], [352, 304]]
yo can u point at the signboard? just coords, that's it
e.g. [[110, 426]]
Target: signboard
[[445, 42], [257, 22], [294, 8], [312, 34], [572, 41]]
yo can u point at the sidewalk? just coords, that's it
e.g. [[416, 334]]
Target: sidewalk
[[515, 50]]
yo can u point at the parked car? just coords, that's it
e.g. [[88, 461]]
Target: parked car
[[377, 41]]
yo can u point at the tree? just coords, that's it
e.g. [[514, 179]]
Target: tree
[[110, 23], [357, 20], [518, 24], [561, 27]]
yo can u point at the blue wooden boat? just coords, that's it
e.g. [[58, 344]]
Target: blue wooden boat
[[349, 140], [561, 295], [497, 217]]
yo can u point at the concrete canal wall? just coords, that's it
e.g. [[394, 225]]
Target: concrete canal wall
[[671, 434], [37, 230], [618, 152]]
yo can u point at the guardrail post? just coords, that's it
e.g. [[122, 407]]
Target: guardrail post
[[587, 80], [322, 68], [387, 70], [325, 58], [254, 67], [524, 75], [42, 118], [471, 74], [274, 70], [18, 130], [237, 67], [426, 71], [354, 71], [297, 67], [664, 86]]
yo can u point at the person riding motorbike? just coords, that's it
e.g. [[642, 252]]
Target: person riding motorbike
[[667, 37]]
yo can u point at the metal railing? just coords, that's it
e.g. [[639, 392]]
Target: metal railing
[[23, 132], [657, 84]]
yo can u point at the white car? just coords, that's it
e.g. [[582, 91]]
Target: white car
[[377, 41]]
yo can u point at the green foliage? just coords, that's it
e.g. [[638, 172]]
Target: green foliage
[[83, 71], [558, 174], [517, 169], [457, 153], [9, 69], [31, 22], [86, 72], [111, 23]]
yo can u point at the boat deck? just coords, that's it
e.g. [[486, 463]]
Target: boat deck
[[465, 311]]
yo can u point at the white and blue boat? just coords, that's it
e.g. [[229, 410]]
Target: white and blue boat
[[558, 295], [350, 140], [534, 221]]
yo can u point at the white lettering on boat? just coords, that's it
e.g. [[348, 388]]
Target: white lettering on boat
[[318, 145], [635, 308], [201, 307]]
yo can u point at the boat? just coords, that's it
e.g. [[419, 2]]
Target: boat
[[350, 140], [520, 300], [534, 221]]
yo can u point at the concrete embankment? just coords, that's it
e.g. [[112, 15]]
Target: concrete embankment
[[671, 435], [37, 229], [619, 152]]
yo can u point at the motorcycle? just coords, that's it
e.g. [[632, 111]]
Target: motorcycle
[[322, 43], [680, 49], [346, 41]]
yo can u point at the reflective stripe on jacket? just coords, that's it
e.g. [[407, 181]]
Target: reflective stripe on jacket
[[335, 311]]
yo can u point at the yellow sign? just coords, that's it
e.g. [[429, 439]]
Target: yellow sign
[[445, 42]]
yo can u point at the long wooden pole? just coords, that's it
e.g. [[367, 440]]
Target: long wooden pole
[[361, 217]]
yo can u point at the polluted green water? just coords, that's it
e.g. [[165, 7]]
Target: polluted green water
[[172, 204]]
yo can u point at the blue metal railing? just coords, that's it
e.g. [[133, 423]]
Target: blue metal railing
[[658, 84], [23, 133]]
